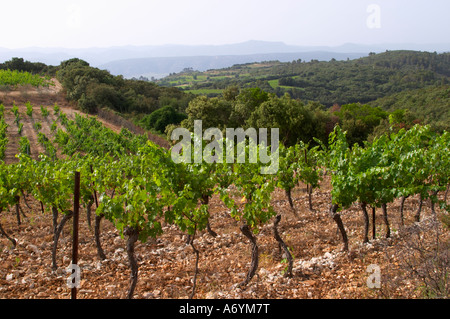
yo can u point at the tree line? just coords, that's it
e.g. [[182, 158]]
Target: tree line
[[338, 82], [297, 121], [257, 104]]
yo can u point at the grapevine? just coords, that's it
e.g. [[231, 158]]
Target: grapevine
[[15, 78], [136, 186]]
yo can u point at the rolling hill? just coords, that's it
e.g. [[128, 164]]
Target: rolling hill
[[334, 82]]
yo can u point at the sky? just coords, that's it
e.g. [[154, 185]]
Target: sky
[[105, 23]]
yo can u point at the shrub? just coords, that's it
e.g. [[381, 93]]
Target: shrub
[[161, 118]]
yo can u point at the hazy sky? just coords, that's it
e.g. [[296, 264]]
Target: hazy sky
[[101, 23]]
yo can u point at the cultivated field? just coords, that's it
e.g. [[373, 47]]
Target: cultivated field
[[409, 261]]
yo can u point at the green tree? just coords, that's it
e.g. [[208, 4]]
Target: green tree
[[161, 118], [359, 121], [245, 104], [290, 116], [214, 112]]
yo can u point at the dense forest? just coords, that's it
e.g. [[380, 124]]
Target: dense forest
[[431, 104]]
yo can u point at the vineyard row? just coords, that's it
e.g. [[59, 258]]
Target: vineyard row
[[135, 184]]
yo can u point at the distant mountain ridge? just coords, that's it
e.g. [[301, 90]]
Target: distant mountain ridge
[[114, 58], [161, 67], [329, 82]]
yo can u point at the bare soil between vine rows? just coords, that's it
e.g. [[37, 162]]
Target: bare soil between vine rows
[[166, 264]]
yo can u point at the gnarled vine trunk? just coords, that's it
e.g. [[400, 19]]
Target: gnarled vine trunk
[[25, 199], [402, 207], [197, 257], [291, 202], [58, 231], [386, 220], [89, 212], [205, 201], [419, 209], [245, 229], [133, 236], [366, 222], [55, 219], [18, 212], [100, 252], [283, 246], [374, 225], [337, 218], [433, 203], [2, 231]]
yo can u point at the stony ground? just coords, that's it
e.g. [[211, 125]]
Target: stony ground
[[166, 265], [416, 257]]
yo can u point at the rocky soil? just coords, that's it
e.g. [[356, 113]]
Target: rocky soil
[[166, 264], [413, 263]]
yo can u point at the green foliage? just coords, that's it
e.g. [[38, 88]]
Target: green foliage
[[29, 109], [24, 146], [335, 82], [161, 118], [245, 103], [93, 88], [359, 121], [7, 187], [15, 78], [343, 187], [140, 187], [20, 128], [50, 149], [38, 126], [406, 163], [18, 64], [253, 205], [54, 126], [56, 109], [15, 110], [290, 116], [428, 105], [44, 111], [255, 108], [3, 137], [214, 112], [289, 159]]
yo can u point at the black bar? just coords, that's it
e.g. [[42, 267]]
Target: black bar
[[76, 210]]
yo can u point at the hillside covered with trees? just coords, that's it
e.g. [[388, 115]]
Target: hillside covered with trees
[[415, 82], [342, 82], [430, 104], [304, 99]]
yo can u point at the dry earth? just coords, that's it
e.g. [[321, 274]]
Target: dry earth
[[37, 97], [321, 270], [166, 265]]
